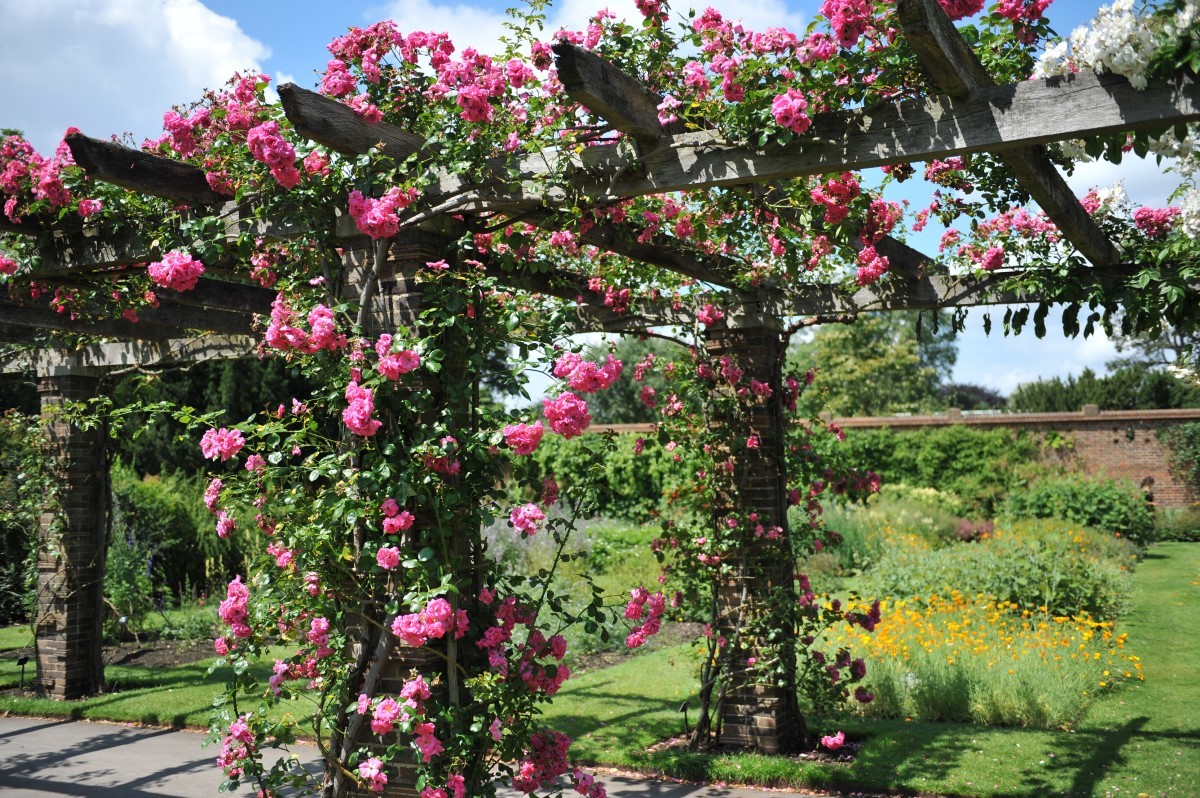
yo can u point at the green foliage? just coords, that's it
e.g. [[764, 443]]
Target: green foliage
[[1047, 566], [1182, 525], [879, 365], [1127, 388], [26, 488], [237, 389], [629, 486], [128, 590], [1183, 441], [1110, 506], [975, 464], [164, 522]]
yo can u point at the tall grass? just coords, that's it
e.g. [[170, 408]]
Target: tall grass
[[972, 659]]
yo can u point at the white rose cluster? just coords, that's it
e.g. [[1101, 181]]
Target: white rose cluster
[[1189, 214], [1119, 41]]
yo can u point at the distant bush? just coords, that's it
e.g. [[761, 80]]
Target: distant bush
[[1183, 442], [632, 487], [1115, 507], [1046, 566], [165, 523], [976, 465], [1182, 525]]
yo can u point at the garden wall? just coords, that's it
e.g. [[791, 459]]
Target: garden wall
[[1122, 444]]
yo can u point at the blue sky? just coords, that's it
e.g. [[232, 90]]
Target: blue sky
[[108, 66]]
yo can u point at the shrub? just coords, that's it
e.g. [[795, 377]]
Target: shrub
[[25, 487], [1181, 525], [1040, 566], [165, 521], [1117, 508], [977, 465], [892, 520]]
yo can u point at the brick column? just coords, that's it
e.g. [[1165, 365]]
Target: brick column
[[397, 302], [756, 717], [72, 548]]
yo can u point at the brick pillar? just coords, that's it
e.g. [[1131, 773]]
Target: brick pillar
[[397, 302], [756, 717], [72, 548]]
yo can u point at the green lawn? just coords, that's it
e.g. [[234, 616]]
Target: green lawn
[[1140, 739]]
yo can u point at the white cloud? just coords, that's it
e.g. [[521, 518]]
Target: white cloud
[[1146, 182], [110, 66]]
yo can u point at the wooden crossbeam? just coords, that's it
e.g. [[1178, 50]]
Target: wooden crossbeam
[[28, 318], [998, 118], [130, 354], [339, 128], [142, 172], [956, 70], [623, 101]]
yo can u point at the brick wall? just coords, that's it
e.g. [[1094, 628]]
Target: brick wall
[[1122, 444]]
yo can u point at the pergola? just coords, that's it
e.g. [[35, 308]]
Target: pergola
[[217, 319]]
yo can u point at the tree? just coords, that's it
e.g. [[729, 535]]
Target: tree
[[1127, 388], [879, 365], [622, 403]]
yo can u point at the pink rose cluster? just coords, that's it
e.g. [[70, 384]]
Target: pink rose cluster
[[360, 405], [233, 609], [710, 315], [395, 520], [648, 608], [585, 376], [371, 772], [284, 336], [394, 364], [849, 19], [378, 218], [523, 438], [270, 147], [532, 667], [545, 761], [1155, 222], [835, 195], [567, 414], [509, 614], [526, 518], [177, 270], [432, 623], [871, 266], [789, 109], [236, 748], [7, 265], [833, 742], [223, 443]]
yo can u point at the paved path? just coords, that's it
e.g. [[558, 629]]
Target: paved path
[[68, 759]]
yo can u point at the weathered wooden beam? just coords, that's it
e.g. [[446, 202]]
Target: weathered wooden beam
[[999, 118], [623, 101], [142, 172], [336, 125], [131, 354], [33, 319], [240, 298], [191, 317], [956, 70]]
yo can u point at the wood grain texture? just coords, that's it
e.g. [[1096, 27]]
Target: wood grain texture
[[142, 172], [336, 125]]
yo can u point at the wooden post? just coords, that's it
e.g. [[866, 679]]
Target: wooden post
[[72, 546], [757, 717]]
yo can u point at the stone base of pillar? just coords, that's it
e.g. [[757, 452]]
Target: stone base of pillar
[[761, 719]]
